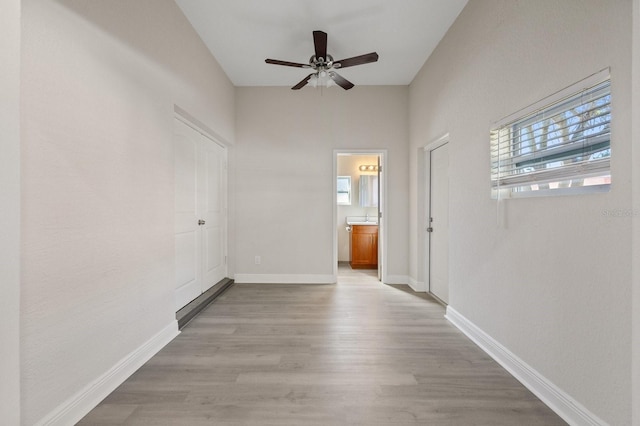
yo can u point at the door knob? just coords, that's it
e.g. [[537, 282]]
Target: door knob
[[201, 222]]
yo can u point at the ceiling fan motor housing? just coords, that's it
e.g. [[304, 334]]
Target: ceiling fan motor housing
[[326, 63]]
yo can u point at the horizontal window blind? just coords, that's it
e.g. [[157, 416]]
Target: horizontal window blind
[[566, 141]]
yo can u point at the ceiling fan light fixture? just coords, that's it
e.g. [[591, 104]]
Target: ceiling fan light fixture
[[321, 79]]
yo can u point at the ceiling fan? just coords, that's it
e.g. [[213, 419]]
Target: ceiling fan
[[324, 66]]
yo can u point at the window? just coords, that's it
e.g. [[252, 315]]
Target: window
[[344, 190], [560, 144]]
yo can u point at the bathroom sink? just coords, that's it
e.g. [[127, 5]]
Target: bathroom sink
[[361, 220]]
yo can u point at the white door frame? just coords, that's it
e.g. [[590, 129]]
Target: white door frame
[[431, 146], [382, 228]]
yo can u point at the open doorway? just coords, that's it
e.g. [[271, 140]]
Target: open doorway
[[359, 201]]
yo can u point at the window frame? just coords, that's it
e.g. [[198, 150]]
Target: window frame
[[507, 134]]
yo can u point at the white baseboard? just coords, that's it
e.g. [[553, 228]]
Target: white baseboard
[[396, 279], [417, 286], [284, 279], [76, 407], [304, 279], [559, 401]]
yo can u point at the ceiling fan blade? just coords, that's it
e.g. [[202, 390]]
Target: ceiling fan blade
[[302, 83], [320, 42], [356, 60], [341, 81], [286, 64]]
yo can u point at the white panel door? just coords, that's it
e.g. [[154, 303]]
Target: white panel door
[[380, 218], [213, 213], [200, 213], [188, 247], [439, 223]]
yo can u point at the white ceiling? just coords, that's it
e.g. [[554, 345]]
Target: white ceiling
[[241, 34]]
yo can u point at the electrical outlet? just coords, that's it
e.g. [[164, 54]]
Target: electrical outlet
[[258, 260]]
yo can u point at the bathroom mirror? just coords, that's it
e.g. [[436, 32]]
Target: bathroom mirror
[[369, 190]]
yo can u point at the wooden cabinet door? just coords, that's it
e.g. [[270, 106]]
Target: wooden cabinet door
[[364, 246]]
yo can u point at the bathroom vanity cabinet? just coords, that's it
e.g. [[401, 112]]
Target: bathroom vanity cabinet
[[364, 247]]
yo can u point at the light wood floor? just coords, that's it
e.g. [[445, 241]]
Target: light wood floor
[[356, 353]]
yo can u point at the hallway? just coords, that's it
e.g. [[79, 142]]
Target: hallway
[[359, 352]]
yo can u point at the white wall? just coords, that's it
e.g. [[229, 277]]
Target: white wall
[[636, 208], [99, 85], [347, 165], [284, 177], [10, 212], [554, 285]]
